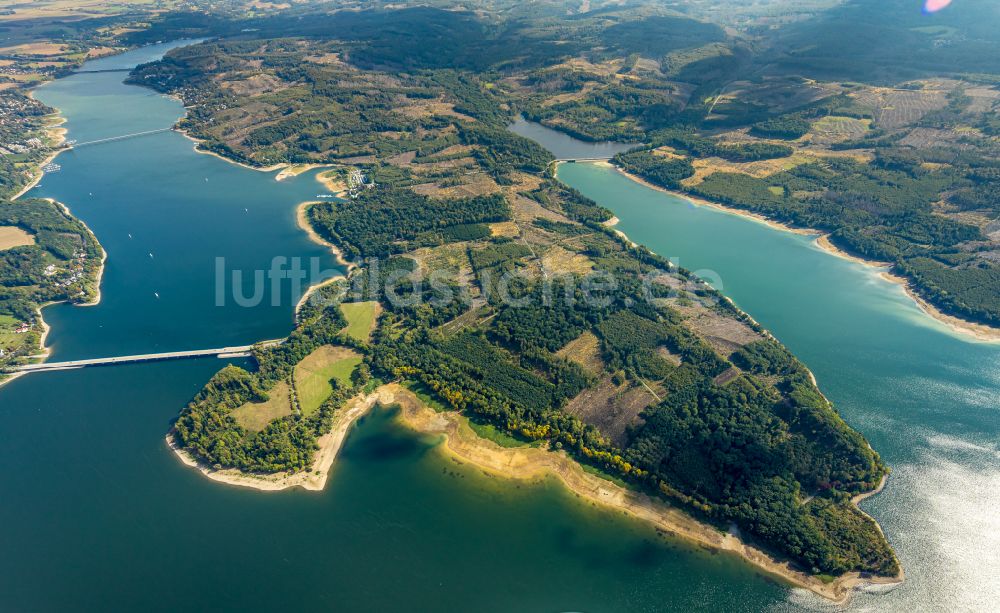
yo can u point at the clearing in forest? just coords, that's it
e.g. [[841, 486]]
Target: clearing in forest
[[361, 318], [12, 236], [254, 416], [313, 374]]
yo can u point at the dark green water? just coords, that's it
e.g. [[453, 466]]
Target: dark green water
[[99, 515]]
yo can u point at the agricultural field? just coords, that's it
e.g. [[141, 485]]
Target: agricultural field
[[313, 374], [34, 9], [12, 236]]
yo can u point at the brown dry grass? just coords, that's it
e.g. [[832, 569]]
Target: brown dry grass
[[12, 236], [328, 59], [423, 109], [33, 9], [983, 99], [506, 229], [255, 85], [526, 210], [668, 152], [451, 259], [604, 69], [95, 52], [669, 356], [473, 184], [562, 261], [585, 350], [835, 129], [570, 96], [725, 334], [403, 159], [761, 169], [40, 48], [254, 416]]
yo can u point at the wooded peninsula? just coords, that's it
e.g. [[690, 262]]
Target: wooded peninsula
[[662, 384]]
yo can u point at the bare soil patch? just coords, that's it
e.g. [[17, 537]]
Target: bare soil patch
[[611, 408]]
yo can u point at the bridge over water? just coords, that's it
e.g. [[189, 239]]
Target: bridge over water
[[221, 352], [75, 145], [102, 70]]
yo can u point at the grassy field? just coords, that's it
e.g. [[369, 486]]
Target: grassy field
[[32, 9], [12, 236], [492, 433], [360, 318], [254, 416], [313, 374]]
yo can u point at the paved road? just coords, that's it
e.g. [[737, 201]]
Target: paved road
[[228, 352]]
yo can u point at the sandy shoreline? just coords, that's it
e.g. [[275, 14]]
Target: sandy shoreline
[[714, 205], [302, 219], [462, 445], [197, 149], [966, 329], [59, 136], [963, 328], [313, 479]]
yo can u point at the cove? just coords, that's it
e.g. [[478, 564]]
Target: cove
[[563, 146], [101, 515], [925, 397]]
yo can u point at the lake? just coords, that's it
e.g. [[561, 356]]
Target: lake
[[100, 515], [565, 147]]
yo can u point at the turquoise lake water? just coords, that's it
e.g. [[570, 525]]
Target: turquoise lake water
[[926, 398]]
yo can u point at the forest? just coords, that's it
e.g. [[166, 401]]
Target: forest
[[58, 241], [882, 211], [892, 158], [385, 220], [207, 429]]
